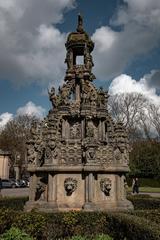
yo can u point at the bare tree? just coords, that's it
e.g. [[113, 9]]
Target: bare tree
[[14, 136], [129, 109], [154, 116]]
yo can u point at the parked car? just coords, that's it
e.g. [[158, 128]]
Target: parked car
[[8, 183], [22, 183]]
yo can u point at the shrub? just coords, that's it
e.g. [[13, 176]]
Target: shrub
[[78, 238], [7, 217], [149, 215], [15, 234], [16, 203], [44, 226], [98, 237], [32, 223], [123, 226], [103, 237]]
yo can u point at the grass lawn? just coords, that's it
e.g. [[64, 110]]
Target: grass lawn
[[147, 189]]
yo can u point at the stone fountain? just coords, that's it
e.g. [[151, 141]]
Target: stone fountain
[[78, 156]]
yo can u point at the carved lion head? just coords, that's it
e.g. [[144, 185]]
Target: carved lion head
[[70, 185], [105, 185]]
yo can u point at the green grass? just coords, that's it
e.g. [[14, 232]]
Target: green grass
[[146, 189]]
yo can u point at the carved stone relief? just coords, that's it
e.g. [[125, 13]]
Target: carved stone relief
[[70, 185], [106, 185], [31, 154], [41, 188], [75, 130]]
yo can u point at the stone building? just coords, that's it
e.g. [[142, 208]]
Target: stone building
[[78, 156], [4, 164]]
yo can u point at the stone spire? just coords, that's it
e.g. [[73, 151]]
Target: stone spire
[[80, 24]]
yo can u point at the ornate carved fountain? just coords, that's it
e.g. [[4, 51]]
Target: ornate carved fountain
[[78, 156]]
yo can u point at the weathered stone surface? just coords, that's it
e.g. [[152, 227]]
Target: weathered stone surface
[[78, 156]]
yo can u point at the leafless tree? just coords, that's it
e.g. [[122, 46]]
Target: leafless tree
[[154, 116], [14, 135], [129, 108]]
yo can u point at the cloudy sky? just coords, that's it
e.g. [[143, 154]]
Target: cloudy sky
[[32, 36]]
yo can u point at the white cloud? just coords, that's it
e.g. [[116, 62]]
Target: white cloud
[[31, 109], [30, 47], [126, 84], [139, 21], [4, 118], [153, 79]]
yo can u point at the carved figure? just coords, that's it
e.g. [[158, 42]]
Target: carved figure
[[90, 131], [31, 154], [101, 99], [48, 155], [52, 97], [69, 59], [88, 59], [70, 185], [40, 189], [40, 155], [75, 130], [105, 185], [34, 130]]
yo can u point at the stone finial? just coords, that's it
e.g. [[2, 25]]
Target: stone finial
[[80, 24]]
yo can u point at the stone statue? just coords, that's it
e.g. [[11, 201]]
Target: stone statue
[[52, 97], [88, 59], [40, 189], [69, 59], [40, 155], [31, 154]]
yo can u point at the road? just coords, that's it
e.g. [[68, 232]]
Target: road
[[15, 192], [18, 192]]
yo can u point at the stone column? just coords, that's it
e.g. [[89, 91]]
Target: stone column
[[67, 130], [77, 92], [83, 128], [119, 187], [89, 187], [103, 131], [63, 128], [100, 130], [52, 190], [32, 189]]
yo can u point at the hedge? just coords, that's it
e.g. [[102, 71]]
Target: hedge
[[45, 226], [144, 202], [124, 226], [149, 215]]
